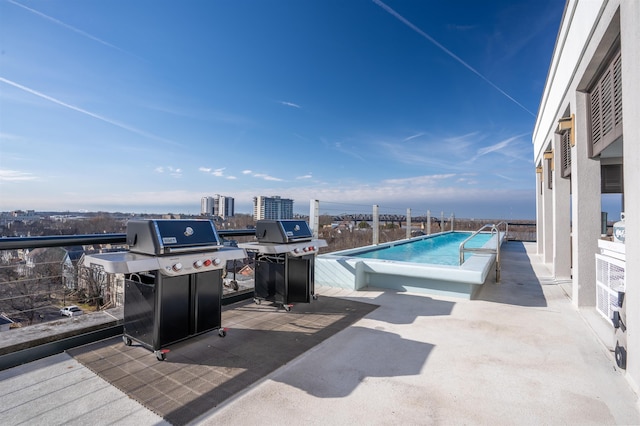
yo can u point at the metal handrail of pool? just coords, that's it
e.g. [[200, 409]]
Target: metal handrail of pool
[[496, 251]]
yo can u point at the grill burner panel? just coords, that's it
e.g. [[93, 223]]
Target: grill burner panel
[[282, 231], [175, 265], [291, 249]]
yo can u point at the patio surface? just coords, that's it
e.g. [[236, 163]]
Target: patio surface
[[518, 354]]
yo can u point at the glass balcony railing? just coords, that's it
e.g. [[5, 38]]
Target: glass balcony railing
[[39, 276]]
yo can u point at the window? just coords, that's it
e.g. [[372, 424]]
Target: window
[[605, 106], [611, 179]]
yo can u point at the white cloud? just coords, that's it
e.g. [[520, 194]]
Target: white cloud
[[417, 135], [291, 104], [9, 137], [448, 52], [340, 148], [72, 28], [267, 177], [15, 176], [505, 177], [499, 147], [89, 113], [419, 180], [246, 172], [431, 151], [308, 176], [215, 172], [495, 147], [175, 172]]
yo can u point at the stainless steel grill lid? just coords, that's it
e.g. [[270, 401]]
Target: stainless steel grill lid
[[283, 231], [168, 236]]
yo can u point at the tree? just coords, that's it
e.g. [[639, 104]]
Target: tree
[[92, 282], [31, 290]]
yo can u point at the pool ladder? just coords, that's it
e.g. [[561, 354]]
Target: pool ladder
[[496, 251]]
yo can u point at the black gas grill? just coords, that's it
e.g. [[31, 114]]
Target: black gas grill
[[283, 231], [173, 280], [284, 262]]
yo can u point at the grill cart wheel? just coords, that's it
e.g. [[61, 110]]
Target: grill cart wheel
[[257, 301], [222, 332], [315, 297], [287, 307], [621, 356], [160, 355], [126, 340]]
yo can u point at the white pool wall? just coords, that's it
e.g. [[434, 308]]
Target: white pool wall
[[341, 269]]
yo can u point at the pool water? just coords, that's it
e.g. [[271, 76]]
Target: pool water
[[441, 249]]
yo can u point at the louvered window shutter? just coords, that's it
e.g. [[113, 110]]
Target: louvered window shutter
[[605, 102], [565, 145]]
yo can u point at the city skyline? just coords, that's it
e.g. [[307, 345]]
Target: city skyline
[[427, 106]]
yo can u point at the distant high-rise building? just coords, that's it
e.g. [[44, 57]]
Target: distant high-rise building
[[206, 206], [219, 205], [226, 206], [272, 208]]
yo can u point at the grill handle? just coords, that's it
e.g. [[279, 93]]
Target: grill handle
[[190, 249]]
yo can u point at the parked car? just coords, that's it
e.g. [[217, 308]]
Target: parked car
[[71, 311]]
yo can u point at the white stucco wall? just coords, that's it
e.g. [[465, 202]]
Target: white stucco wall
[[588, 29], [630, 30]]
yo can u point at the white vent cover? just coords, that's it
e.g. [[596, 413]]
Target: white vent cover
[[610, 279]]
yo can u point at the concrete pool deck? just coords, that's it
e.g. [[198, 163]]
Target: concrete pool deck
[[518, 354]]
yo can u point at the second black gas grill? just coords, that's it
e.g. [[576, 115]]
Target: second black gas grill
[[173, 280], [284, 261]]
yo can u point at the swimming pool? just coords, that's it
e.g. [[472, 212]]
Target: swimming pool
[[440, 250], [425, 264]]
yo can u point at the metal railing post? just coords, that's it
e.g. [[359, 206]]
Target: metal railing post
[[314, 217], [376, 225]]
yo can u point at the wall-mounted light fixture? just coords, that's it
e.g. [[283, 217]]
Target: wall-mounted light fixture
[[566, 124], [548, 155]]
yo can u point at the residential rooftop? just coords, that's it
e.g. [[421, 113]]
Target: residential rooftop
[[519, 353]]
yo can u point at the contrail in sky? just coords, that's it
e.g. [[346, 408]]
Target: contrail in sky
[[448, 52], [69, 27], [84, 111]]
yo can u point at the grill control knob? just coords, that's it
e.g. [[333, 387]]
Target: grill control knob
[[177, 267], [207, 262], [306, 249], [216, 262], [296, 250], [198, 264]]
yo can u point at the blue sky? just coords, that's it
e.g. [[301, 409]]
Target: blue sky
[[147, 106]]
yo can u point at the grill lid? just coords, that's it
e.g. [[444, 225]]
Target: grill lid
[[283, 231], [167, 236]]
